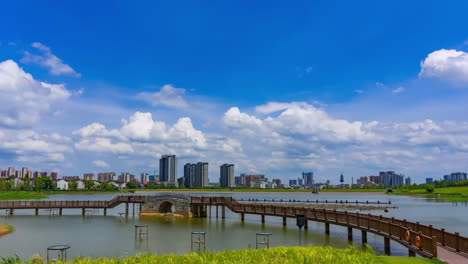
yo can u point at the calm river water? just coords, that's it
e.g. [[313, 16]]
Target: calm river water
[[109, 236]]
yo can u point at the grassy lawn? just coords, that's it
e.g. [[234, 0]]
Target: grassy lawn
[[279, 255], [21, 195], [443, 194]]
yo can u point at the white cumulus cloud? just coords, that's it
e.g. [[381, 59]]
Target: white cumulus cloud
[[23, 99], [449, 65]]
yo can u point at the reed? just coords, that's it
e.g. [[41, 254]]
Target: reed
[[279, 255]]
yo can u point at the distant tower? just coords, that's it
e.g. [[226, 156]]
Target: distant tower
[[341, 180], [168, 168]]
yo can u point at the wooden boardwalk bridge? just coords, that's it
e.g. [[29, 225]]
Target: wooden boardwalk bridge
[[83, 205], [424, 240], [421, 239]]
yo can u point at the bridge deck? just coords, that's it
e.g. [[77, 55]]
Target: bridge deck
[[430, 238], [434, 242]]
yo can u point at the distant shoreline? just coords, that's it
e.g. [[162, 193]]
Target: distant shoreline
[[252, 191]]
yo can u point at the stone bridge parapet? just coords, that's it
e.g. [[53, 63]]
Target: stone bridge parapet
[[163, 204]]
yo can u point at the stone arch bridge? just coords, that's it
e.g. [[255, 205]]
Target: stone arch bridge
[[179, 204]]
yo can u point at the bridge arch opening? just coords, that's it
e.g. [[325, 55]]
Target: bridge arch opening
[[166, 207]]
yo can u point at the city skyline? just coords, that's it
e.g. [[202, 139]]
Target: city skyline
[[289, 89]]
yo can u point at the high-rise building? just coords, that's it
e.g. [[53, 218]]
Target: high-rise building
[[458, 176], [390, 178], [54, 176], [201, 174], [226, 178], [144, 177], [38, 174], [88, 176], [237, 180], [107, 176], [251, 179], [292, 182], [407, 181], [168, 168], [18, 174], [196, 175], [308, 179], [127, 177], [189, 175], [11, 171], [429, 180], [25, 172]]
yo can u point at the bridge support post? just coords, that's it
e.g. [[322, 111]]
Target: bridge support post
[[216, 211], [242, 217], [11, 211], [434, 246], [327, 228], [105, 211], [387, 246], [411, 253], [284, 221], [223, 212], [306, 223], [133, 210], [126, 209], [364, 237], [350, 234], [60, 211], [263, 218], [83, 211], [37, 211]]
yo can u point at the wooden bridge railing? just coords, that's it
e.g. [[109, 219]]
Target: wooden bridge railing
[[393, 228], [72, 204]]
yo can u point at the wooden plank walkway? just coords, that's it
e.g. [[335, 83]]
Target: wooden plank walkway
[[424, 240]]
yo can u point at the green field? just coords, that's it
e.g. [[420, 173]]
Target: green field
[[279, 255], [21, 195], [442, 194]]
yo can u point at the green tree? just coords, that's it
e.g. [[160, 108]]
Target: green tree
[[73, 186], [44, 183], [132, 185], [26, 186], [89, 184]]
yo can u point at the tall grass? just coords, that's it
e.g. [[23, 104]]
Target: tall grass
[[279, 255]]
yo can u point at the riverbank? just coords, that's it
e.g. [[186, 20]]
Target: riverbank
[[279, 255], [21, 195], [448, 194], [5, 229]]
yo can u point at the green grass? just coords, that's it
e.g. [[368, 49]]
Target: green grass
[[21, 195], [407, 260], [279, 255], [443, 194]]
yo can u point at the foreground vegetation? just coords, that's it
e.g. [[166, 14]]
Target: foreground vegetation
[[279, 255]]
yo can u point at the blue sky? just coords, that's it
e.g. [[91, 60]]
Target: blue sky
[[274, 87]]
